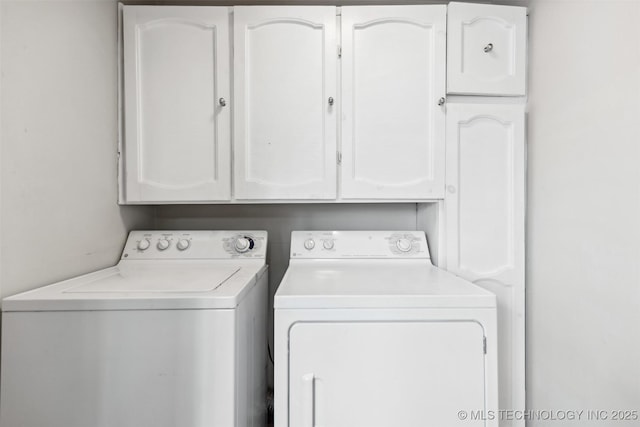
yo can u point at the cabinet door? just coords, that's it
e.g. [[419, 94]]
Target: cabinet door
[[393, 74], [487, 49], [285, 92], [484, 203], [176, 84], [381, 374]]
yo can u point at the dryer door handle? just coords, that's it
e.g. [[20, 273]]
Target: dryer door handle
[[308, 399]]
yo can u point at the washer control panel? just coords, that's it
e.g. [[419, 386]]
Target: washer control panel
[[197, 244], [359, 244], [244, 244]]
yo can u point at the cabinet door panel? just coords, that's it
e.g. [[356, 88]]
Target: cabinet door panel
[[177, 135], [381, 374], [484, 206], [393, 71], [285, 129], [486, 49]]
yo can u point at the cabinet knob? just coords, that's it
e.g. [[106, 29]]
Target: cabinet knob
[[441, 101], [488, 48], [330, 100], [222, 102]]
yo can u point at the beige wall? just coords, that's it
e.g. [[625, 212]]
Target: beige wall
[[583, 272], [59, 214]]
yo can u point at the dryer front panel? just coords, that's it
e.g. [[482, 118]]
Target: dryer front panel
[[385, 373]]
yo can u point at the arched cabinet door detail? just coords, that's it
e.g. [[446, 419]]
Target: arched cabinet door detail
[[486, 49], [286, 102], [393, 75], [176, 123], [484, 205]]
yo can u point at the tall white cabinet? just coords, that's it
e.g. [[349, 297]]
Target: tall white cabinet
[[176, 116], [285, 102], [484, 205], [393, 118], [485, 212]]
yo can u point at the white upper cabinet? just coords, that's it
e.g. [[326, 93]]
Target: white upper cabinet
[[393, 76], [384, 74], [485, 207], [176, 104], [285, 102], [486, 49]]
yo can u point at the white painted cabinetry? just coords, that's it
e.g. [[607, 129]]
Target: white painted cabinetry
[[288, 144], [176, 119], [485, 208], [393, 76], [285, 102], [487, 49]]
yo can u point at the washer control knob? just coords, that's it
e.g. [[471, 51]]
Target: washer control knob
[[144, 244], [403, 245], [327, 244], [309, 244], [163, 244], [183, 244], [242, 244]]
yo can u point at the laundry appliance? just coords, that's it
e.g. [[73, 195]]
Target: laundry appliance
[[369, 333], [173, 335]]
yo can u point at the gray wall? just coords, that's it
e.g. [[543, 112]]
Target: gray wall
[[583, 272], [59, 215]]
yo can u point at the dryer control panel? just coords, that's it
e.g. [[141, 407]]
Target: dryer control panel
[[197, 244], [359, 244]]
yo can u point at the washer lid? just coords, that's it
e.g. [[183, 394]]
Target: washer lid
[[146, 285], [156, 279], [376, 284]]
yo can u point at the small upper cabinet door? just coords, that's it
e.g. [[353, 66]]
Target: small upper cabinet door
[[487, 49], [176, 104], [286, 101], [393, 76]]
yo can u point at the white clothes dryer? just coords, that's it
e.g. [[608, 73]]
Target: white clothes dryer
[[368, 333], [173, 335]]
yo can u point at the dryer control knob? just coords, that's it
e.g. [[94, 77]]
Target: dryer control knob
[[403, 245], [163, 244], [144, 244], [309, 244], [242, 244], [183, 244], [327, 244]]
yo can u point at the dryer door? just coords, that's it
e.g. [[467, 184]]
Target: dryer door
[[381, 374]]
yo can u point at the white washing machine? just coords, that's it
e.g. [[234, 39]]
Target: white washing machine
[[368, 333], [173, 335]]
